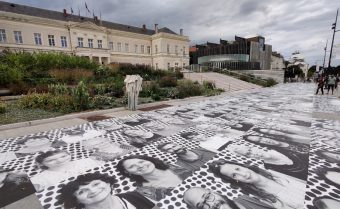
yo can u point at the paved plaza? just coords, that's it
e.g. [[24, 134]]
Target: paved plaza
[[266, 148]]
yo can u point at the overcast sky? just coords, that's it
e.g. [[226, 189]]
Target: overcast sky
[[287, 25]]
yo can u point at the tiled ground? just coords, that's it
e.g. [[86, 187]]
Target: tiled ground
[[256, 149]]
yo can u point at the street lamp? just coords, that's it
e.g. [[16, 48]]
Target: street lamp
[[334, 31]]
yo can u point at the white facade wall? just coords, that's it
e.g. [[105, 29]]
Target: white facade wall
[[28, 25], [277, 63]]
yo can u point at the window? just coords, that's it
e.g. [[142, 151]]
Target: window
[[51, 41], [80, 42], [168, 48], [168, 65], [119, 47], [148, 50], [111, 45], [18, 37], [176, 50], [142, 49], [100, 44], [90, 42], [183, 64], [37, 39], [63, 41], [3, 38], [126, 47], [176, 64], [136, 48], [156, 49], [183, 50], [156, 66]]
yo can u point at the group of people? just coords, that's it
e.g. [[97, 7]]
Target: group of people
[[330, 82]]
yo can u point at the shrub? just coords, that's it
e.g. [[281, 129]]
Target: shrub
[[187, 88], [35, 100], [99, 89], [179, 74], [115, 86], [270, 82], [3, 107], [70, 76], [9, 75], [172, 93], [46, 101], [57, 89], [209, 85], [101, 102], [168, 81], [81, 96], [19, 88], [149, 88]]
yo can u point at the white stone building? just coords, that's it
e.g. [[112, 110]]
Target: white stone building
[[34, 29], [298, 60]]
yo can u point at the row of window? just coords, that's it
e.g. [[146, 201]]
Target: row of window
[[51, 42], [37, 38], [89, 43], [137, 49], [176, 49]]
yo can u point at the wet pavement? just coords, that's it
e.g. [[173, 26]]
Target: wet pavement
[[267, 148]]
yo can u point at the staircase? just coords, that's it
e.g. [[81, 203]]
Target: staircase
[[221, 81]]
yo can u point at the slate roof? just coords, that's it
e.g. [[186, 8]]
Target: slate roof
[[54, 15]]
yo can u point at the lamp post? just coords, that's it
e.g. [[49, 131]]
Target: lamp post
[[324, 58], [334, 31]]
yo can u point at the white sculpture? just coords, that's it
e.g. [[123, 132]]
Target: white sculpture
[[133, 85]]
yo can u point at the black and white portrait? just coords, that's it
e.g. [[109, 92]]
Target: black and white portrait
[[96, 190], [14, 186]]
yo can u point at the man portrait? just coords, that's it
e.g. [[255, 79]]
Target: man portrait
[[190, 159], [290, 163], [203, 198]]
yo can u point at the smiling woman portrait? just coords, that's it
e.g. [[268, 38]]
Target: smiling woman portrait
[[95, 190], [57, 165], [278, 190], [154, 178]]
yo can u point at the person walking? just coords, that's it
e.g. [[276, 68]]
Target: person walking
[[331, 83], [320, 85]]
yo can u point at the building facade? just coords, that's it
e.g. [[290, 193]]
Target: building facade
[[241, 54], [277, 62], [298, 59], [24, 28]]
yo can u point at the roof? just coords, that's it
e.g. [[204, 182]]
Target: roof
[[54, 15]]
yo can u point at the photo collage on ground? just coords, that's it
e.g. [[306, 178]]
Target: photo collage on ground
[[248, 150]]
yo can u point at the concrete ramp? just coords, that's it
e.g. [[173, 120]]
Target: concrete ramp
[[225, 82]]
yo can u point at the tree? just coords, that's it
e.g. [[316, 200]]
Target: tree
[[294, 70], [311, 71]]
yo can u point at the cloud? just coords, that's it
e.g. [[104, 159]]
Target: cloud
[[288, 25]]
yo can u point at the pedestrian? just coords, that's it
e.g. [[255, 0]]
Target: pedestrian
[[331, 83], [320, 85]]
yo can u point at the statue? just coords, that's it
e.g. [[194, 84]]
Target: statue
[[133, 85]]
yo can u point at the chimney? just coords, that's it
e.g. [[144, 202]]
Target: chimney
[[64, 12], [156, 28], [181, 32], [144, 27]]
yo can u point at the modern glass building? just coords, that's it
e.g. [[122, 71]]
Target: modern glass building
[[241, 54]]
